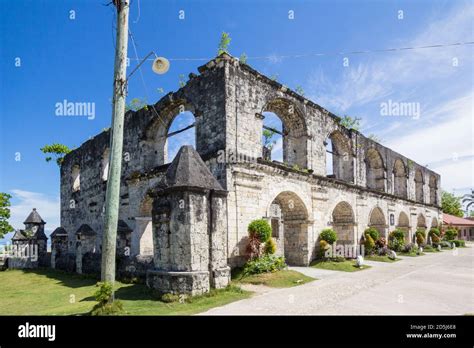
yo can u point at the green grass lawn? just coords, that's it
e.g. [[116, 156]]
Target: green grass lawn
[[345, 266], [411, 254], [380, 258], [279, 279], [434, 250], [50, 292]]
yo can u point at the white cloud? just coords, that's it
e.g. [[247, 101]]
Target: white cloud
[[24, 201], [447, 144], [405, 74]]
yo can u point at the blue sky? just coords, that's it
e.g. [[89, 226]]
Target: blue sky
[[72, 59]]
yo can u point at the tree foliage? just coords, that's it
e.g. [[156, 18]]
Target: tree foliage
[[57, 150], [5, 226], [224, 44], [267, 138], [350, 122], [450, 204]]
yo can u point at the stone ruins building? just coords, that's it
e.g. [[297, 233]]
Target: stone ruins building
[[30, 244], [369, 185]]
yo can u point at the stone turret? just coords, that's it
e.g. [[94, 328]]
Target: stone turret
[[189, 229], [30, 243]]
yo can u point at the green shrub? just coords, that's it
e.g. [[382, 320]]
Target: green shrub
[[169, 298], [266, 263], [410, 248], [459, 242], [328, 235], [270, 246], [104, 292], [396, 240], [261, 229], [105, 305], [114, 308], [372, 232], [434, 232], [435, 239], [450, 234], [369, 244], [428, 247], [323, 246], [420, 237]]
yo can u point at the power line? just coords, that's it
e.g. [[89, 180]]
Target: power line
[[319, 54]]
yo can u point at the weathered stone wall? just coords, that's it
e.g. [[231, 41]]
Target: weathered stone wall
[[228, 100]]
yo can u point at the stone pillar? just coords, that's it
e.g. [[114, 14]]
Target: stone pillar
[[53, 258], [189, 229], [79, 258], [142, 236]]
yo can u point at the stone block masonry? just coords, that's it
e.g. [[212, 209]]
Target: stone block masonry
[[370, 184]]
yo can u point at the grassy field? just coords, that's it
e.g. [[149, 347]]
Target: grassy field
[[345, 266], [279, 279], [380, 258], [49, 292]]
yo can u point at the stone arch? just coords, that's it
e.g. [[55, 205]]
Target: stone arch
[[377, 221], [142, 236], [76, 177], [294, 226], [404, 225], [375, 170], [343, 223], [433, 185], [340, 155], [434, 223], [421, 222], [155, 140], [295, 131], [419, 182], [399, 179]]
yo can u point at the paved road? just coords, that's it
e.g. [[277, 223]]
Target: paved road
[[437, 283]]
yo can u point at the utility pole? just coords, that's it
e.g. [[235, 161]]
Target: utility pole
[[112, 199]]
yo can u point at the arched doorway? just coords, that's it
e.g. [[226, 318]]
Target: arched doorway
[[294, 227], [343, 223], [420, 225], [404, 225], [377, 221]]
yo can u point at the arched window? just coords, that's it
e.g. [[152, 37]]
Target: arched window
[[419, 186], [105, 164], [76, 178], [399, 179], [339, 160], [272, 137], [375, 170], [181, 132], [294, 132]]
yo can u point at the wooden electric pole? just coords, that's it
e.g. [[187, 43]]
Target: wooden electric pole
[[112, 199]]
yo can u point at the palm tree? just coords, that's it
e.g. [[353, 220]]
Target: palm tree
[[469, 199]]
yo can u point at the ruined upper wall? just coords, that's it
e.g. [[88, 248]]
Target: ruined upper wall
[[307, 127]]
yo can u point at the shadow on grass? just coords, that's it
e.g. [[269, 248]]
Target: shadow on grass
[[71, 280]]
